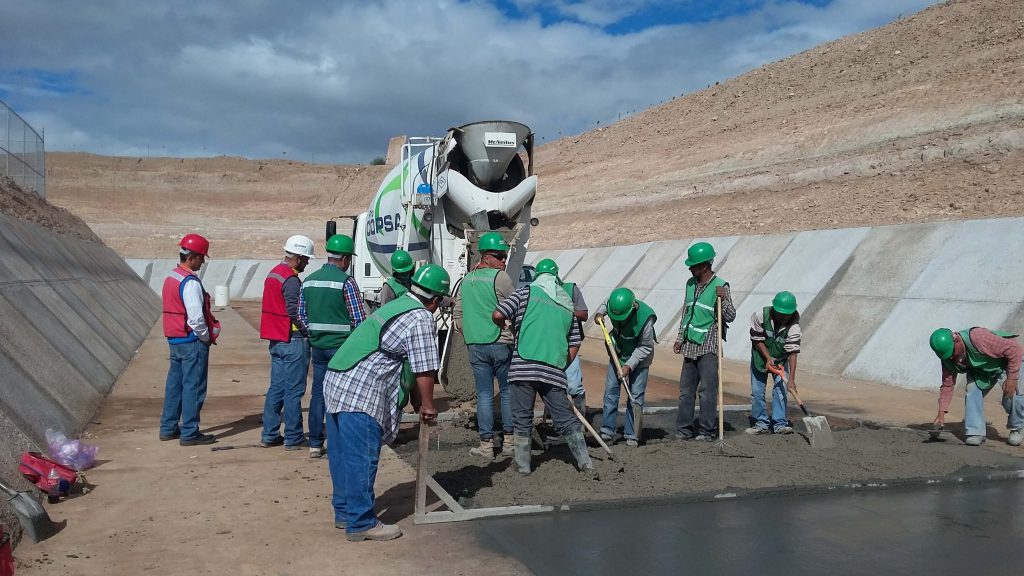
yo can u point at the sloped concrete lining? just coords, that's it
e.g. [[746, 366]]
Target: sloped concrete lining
[[898, 351], [670, 288], [808, 264], [589, 262], [533, 257], [141, 267], [568, 259], [659, 258], [254, 289], [217, 273], [161, 268], [242, 276], [881, 271], [981, 255], [610, 274], [73, 314]]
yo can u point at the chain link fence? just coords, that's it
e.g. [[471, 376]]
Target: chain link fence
[[22, 152]]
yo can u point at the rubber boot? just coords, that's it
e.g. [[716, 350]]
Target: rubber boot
[[578, 446], [522, 453]]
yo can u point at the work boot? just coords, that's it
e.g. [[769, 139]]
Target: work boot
[[522, 453], [507, 444], [755, 430], [974, 440], [578, 447], [485, 449], [1015, 437], [381, 531]]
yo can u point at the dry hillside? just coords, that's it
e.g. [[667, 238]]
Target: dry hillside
[[17, 203], [922, 119]]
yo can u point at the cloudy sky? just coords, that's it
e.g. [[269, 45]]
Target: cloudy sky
[[333, 81]]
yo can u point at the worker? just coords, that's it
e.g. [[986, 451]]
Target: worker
[[989, 358], [331, 305], [573, 374], [363, 389], [547, 340], [490, 346], [697, 341], [632, 330], [401, 277], [774, 346], [287, 332], [190, 329]]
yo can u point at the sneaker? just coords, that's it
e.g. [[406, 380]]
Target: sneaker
[[316, 452], [340, 524], [200, 440], [606, 437], [703, 438], [485, 449], [1015, 437], [591, 473], [755, 430], [174, 436], [974, 440], [275, 442], [298, 446], [683, 437], [632, 443], [381, 531], [784, 430]]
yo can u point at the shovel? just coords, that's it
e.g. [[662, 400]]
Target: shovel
[[31, 514], [635, 408], [817, 426]]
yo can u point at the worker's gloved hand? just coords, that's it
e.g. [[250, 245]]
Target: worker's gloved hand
[[677, 348]]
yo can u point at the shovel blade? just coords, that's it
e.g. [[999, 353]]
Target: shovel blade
[[819, 431], [34, 520]]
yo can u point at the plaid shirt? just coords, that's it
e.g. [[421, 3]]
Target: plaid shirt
[[353, 301], [991, 345], [692, 350], [371, 386]]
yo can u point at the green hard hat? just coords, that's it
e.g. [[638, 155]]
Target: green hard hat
[[620, 304], [433, 278], [341, 244], [784, 303], [492, 242], [401, 261], [942, 343], [546, 266], [699, 253]]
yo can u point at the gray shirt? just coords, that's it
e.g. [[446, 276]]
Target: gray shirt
[[291, 290], [503, 288]]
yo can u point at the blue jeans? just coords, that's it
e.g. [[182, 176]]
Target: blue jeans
[[321, 358], [289, 365], [490, 361], [974, 407], [637, 385], [185, 389], [758, 411], [574, 375], [353, 466]]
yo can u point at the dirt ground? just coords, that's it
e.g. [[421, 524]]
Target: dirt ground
[[17, 203], [920, 120]]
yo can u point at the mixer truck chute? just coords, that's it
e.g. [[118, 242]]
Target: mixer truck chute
[[439, 199]]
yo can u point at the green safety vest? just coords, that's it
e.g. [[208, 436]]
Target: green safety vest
[[544, 331], [366, 340], [570, 287], [324, 293], [628, 332], [774, 341], [984, 369], [397, 287], [479, 301], [699, 315]]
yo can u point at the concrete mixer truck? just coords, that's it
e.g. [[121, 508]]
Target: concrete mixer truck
[[435, 204]]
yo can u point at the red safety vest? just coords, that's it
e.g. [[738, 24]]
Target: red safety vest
[[174, 315], [275, 324]]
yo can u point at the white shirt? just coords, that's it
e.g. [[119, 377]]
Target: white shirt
[[192, 297]]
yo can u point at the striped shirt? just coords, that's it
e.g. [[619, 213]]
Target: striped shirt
[[514, 306], [353, 301], [692, 350], [371, 386]]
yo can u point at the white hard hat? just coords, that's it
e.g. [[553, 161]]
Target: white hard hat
[[299, 245]]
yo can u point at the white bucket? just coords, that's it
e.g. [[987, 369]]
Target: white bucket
[[220, 297]]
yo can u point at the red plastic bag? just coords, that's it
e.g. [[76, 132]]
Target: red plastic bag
[[37, 467], [6, 560]]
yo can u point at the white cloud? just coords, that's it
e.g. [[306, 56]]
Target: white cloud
[[262, 79]]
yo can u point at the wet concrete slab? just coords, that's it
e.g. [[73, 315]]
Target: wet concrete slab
[[941, 530]]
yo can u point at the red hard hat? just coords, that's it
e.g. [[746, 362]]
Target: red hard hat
[[196, 243]]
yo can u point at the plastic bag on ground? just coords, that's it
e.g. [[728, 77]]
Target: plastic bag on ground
[[73, 453]]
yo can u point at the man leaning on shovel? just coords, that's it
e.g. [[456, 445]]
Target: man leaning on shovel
[[775, 343], [988, 357]]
